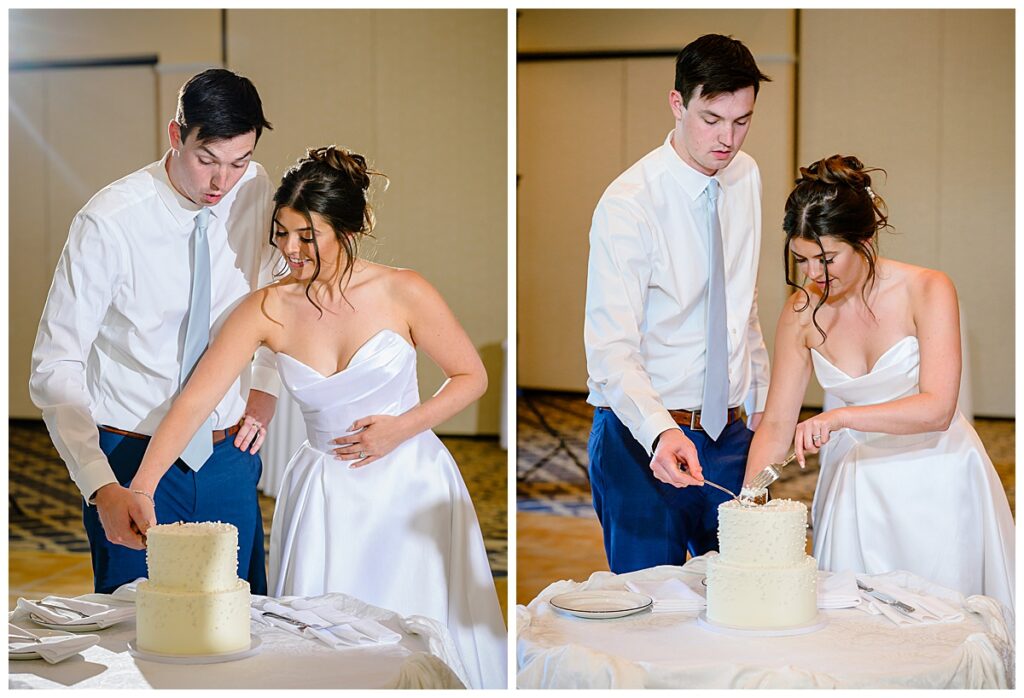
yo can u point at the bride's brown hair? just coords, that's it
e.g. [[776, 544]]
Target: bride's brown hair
[[833, 197], [331, 182]]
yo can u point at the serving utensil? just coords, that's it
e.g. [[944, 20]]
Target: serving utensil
[[770, 474], [885, 598], [717, 487]]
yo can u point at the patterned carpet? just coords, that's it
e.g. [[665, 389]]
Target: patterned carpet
[[551, 468], [46, 513]]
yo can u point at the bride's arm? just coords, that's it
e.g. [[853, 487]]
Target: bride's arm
[[791, 369], [228, 354], [937, 318], [434, 329]]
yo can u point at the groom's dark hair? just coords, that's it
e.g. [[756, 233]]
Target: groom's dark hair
[[719, 64], [220, 104]]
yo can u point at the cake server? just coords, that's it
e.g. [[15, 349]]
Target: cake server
[[885, 598]]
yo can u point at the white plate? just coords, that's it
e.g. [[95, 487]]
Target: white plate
[[77, 628], [15, 656], [608, 603], [254, 648], [816, 624]]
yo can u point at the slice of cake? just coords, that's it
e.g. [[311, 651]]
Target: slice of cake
[[193, 602], [762, 578]]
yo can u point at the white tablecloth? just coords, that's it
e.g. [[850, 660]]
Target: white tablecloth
[[854, 650], [420, 660]]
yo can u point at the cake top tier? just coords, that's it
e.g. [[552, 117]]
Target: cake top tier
[[776, 506], [202, 528]]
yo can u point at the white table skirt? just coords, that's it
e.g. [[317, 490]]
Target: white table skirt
[[284, 660], [854, 650]]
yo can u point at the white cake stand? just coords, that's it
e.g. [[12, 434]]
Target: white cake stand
[[254, 648], [816, 624]]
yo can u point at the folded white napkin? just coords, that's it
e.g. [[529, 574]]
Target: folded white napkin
[[927, 609], [837, 589], [329, 625], [101, 614], [52, 648], [669, 595], [127, 592]]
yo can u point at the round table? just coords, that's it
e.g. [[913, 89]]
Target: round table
[[284, 660], [672, 650]]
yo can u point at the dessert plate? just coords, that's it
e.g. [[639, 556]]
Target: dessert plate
[[254, 648], [815, 625], [608, 603]]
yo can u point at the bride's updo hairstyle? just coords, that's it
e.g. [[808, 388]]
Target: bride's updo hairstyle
[[833, 197], [331, 182]]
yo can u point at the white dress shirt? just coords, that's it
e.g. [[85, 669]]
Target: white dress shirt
[[112, 332], [646, 288]]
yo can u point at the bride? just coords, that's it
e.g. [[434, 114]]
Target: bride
[[905, 483], [372, 504]]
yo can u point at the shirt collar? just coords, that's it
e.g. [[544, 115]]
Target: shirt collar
[[693, 182], [183, 210]]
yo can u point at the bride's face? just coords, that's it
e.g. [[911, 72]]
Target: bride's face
[[835, 263], [299, 244]]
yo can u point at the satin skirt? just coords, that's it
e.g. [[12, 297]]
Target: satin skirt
[[400, 533]]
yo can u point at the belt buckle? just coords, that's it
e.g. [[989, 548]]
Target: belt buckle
[[693, 421]]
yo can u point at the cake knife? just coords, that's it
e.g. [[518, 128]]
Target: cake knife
[[717, 487]]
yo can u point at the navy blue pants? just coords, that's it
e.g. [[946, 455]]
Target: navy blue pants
[[224, 489], [647, 522]]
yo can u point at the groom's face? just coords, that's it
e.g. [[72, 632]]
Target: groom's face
[[204, 171], [709, 132]]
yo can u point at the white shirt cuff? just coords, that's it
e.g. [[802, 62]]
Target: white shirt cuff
[[93, 476], [652, 427]]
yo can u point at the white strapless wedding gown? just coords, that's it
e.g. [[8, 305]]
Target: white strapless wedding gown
[[930, 503], [399, 533]]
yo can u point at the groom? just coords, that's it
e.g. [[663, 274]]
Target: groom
[[153, 264], [673, 342]]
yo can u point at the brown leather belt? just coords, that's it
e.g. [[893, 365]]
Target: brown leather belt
[[691, 420], [218, 434]]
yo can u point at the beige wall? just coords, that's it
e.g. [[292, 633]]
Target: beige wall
[[422, 93], [932, 102], [929, 97], [582, 122]]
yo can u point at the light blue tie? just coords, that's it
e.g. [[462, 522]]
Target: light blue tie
[[715, 406], [197, 335]]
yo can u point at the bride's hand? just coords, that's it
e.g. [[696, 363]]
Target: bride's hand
[[375, 437], [814, 433]]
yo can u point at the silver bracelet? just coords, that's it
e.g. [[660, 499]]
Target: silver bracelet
[[147, 495]]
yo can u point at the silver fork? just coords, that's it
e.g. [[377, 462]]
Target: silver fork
[[61, 608], [770, 474]]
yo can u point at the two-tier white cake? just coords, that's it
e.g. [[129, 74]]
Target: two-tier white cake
[[762, 578], [193, 602]]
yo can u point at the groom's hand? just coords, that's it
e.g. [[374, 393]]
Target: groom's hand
[[675, 460], [116, 506]]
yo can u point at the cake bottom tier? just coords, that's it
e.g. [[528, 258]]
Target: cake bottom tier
[[745, 596], [192, 623]]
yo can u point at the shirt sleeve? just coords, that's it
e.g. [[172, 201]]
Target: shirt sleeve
[[618, 274], [264, 364], [87, 274], [760, 371]]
